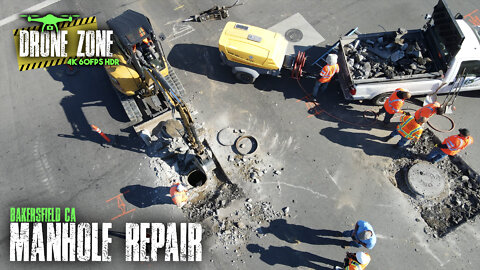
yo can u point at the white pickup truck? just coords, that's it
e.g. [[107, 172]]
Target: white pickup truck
[[423, 61]]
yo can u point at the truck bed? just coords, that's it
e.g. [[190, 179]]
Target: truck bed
[[384, 57]]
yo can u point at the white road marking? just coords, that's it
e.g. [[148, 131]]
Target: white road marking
[[333, 179], [34, 8]]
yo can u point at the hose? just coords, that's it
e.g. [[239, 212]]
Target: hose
[[335, 117]]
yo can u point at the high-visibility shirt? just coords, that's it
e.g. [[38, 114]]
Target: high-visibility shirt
[[354, 265], [327, 72], [409, 128], [178, 196], [427, 111], [394, 104], [456, 143]]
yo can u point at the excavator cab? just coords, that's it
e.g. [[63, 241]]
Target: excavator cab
[[140, 55]]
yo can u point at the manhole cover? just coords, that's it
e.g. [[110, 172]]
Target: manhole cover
[[426, 180], [293, 35]]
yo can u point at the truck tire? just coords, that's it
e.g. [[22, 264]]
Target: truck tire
[[245, 74], [380, 99], [244, 77]]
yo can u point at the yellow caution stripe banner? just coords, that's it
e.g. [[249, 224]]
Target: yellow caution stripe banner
[[27, 63]]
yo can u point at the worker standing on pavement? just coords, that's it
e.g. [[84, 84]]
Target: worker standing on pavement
[[362, 235], [394, 104], [429, 110], [330, 69], [178, 192], [355, 261], [409, 129], [451, 146]]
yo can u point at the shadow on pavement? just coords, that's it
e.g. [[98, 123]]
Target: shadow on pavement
[[293, 233], [202, 60], [370, 144], [90, 86], [291, 257], [142, 196], [205, 60]]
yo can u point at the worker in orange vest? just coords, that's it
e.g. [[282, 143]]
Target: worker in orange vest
[[178, 192], [355, 261], [394, 104], [451, 146], [330, 69], [430, 109], [409, 129]]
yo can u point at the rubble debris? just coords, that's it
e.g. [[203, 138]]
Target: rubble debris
[[460, 203], [387, 57], [237, 228]]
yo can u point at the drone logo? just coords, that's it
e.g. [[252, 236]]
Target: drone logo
[[49, 20]]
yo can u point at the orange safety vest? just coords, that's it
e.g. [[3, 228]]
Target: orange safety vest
[[427, 111], [327, 72], [177, 196], [456, 143], [394, 104], [409, 128], [354, 265]]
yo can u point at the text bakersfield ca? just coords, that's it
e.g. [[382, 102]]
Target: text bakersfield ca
[[52, 235]]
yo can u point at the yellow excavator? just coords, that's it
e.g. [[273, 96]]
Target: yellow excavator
[[147, 86]]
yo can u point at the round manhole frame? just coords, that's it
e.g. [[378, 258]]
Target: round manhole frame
[[197, 173], [240, 149], [293, 35]]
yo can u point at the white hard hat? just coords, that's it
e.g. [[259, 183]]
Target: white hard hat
[[332, 59], [181, 188], [362, 257]]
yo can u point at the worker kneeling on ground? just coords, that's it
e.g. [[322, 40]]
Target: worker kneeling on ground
[[178, 192], [326, 75], [451, 146], [409, 129], [355, 261], [429, 110], [394, 104]]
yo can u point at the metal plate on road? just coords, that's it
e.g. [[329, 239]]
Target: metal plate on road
[[309, 36]]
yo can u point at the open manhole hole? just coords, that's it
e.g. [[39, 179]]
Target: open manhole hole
[[196, 178], [293, 35]]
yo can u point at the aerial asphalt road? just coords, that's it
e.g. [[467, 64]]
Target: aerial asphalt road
[[333, 171]]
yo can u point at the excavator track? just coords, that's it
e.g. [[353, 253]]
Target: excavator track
[[130, 106], [173, 80]]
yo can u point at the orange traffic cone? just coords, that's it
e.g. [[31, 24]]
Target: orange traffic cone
[[99, 131]]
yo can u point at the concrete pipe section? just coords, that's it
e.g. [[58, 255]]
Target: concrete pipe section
[[426, 180]]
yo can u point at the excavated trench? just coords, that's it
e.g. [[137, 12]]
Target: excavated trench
[[459, 203]]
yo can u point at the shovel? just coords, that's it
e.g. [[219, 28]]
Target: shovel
[[429, 99]]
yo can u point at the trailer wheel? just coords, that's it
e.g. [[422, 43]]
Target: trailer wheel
[[380, 99], [244, 77]]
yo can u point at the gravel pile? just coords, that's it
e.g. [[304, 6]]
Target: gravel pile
[[387, 57]]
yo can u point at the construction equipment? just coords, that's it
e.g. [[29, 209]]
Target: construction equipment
[[429, 99], [252, 51], [452, 95], [334, 47], [215, 13], [147, 86]]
